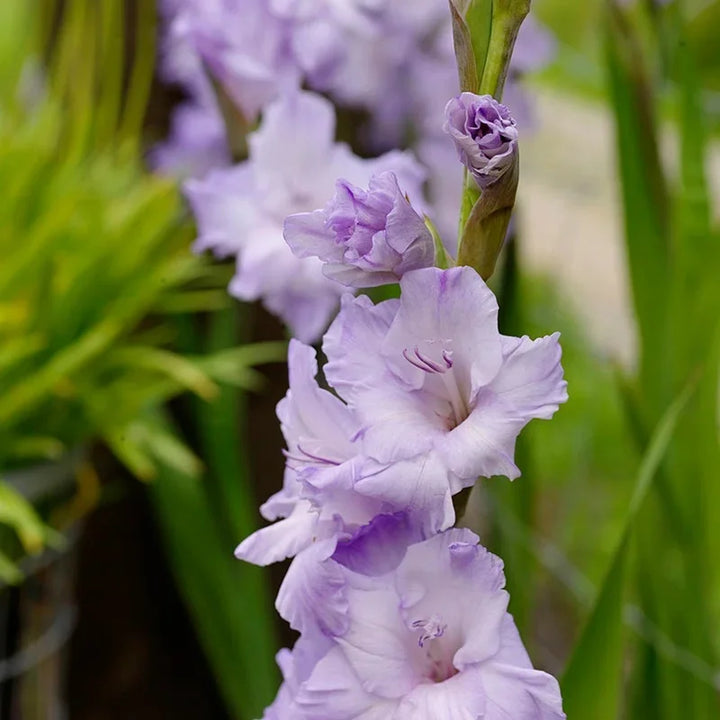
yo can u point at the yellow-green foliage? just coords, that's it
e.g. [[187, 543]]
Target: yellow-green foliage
[[93, 253]]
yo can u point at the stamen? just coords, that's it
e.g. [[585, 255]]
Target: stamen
[[289, 456], [432, 629], [460, 410], [414, 362], [424, 363], [431, 364], [309, 456]]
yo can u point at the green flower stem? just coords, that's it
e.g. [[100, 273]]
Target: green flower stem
[[486, 227], [471, 194]]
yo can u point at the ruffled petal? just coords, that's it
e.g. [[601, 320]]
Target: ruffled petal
[[334, 692], [418, 487], [312, 417], [483, 445], [376, 643], [515, 693], [531, 378], [352, 344], [307, 235], [458, 698], [452, 570], [282, 539], [312, 597]]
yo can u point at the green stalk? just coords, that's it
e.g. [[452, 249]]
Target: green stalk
[[484, 42], [507, 16]]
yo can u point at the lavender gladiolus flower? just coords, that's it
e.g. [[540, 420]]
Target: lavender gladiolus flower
[[430, 640], [440, 393], [484, 133], [365, 238], [293, 165]]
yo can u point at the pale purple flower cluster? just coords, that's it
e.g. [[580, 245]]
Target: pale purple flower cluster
[[399, 614], [394, 60]]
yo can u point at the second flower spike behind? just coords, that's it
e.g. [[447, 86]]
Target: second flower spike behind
[[292, 167], [364, 237]]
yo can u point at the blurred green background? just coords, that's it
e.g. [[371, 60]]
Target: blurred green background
[[123, 359]]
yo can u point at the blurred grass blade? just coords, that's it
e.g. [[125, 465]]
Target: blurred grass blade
[[194, 301], [18, 349], [17, 21], [112, 58], [656, 451], [37, 446], [167, 447], [696, 248], [185, 372], [644, 193], [694, 212], [130, 452], [21, 397], [141, 73], [597, 660], [233, 365], [591, 684]]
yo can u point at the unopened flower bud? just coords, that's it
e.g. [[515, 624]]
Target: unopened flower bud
[[485, 135], [364, 237]]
